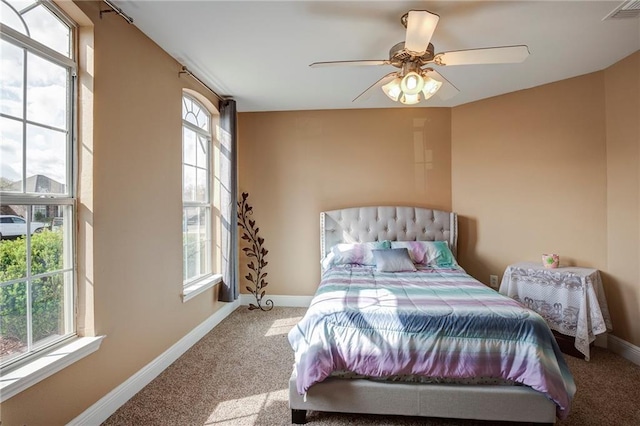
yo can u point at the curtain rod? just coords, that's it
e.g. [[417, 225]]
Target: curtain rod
[[185, 70], [117, 10]]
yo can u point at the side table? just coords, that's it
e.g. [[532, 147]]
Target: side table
[[570, 299]]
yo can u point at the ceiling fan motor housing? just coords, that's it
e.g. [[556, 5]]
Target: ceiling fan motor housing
[[398, 56]]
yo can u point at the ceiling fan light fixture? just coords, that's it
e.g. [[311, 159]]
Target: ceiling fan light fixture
[[431, 86], [412, 83], [412, 56], [410, 99], [392, 89]]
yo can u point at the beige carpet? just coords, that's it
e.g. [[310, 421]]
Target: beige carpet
[[238, 375]]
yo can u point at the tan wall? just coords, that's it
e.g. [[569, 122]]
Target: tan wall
[[131, 247], [529, 176], [622, 99], [296, 164], [555, 169]]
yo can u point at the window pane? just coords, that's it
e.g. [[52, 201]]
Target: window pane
[[11, 79], [19, 5], [46, 160], [190, 116], [188, 146], [46, 28], [186, 107], [196, 243], [48, 300], [46, 92], [13, 245], [194, 114], [203, 256], [202, 189], [10, 155], [13, 320], [189, 183], [203, 119], [63, 222], [195, 219], [47, 246], [51, 296], [190, 217], [10, 18], [202, 151], [190, 242]]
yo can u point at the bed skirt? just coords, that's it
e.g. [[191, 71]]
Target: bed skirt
[[480, 402]]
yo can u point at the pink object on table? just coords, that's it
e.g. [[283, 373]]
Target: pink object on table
[[550, 260]]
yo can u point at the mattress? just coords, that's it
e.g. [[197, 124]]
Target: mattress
[[437, 323]]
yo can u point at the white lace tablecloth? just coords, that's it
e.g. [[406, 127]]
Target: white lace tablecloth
[[570, 299]]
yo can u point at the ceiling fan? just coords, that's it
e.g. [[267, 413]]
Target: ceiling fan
[[416, 79]]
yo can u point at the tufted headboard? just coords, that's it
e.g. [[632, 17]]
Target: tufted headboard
[[364, 224]]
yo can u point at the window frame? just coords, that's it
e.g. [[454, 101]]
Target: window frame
[[198, 284], [30, 200]]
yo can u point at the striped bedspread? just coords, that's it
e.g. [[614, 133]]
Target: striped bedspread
[[432, 322]]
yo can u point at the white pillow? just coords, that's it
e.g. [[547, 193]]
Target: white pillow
[[393, 260]]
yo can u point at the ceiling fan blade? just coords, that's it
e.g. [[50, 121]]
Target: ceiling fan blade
[[357, 63], [489, 55], [448, 90], [384, 80], [420, 27]]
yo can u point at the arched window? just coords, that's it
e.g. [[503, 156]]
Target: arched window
[[37, 273], [196, 191]]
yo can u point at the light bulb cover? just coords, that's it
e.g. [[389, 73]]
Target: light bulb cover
[[431, 86], [392, 89], [409, 99], [412, 83]]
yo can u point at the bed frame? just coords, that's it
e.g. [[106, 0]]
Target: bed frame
[[481, 402]]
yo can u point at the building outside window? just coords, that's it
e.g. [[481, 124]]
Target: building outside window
[[196, 191], [37, 252]]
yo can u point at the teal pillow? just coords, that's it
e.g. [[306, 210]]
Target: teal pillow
[[440, 255], [430, 253]]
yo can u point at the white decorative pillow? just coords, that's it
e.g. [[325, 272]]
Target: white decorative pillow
[[393, 260], [356, 253]]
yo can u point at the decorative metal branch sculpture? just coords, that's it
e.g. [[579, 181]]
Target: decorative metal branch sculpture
[[256, 252]]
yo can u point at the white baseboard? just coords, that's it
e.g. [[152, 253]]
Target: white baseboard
[[624, 349], [107, 405], [280, 300], [602, 340]]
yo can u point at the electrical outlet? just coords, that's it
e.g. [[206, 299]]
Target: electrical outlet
[[493, 281]]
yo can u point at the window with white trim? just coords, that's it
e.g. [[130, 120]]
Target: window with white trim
[[37, 252], [196, 192]]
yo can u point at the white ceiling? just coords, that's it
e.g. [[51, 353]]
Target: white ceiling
[[259, 52]]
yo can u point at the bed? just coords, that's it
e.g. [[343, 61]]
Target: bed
[[381, 339]]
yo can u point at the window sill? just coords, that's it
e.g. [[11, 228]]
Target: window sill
[[192, 290], [16, 380]]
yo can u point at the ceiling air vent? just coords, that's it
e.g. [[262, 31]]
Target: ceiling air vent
[[628, 9]]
